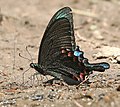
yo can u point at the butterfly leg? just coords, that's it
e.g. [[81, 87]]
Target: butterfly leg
[[53, 81]]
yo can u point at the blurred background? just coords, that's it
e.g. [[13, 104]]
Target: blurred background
[[97, 32]]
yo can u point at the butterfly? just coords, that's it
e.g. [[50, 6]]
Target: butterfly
[[58, 54]]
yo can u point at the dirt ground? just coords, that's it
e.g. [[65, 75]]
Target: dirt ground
[[23, 22]]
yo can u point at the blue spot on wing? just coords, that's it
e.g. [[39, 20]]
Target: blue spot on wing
[[77, 53], [105, 65], [61, 16]]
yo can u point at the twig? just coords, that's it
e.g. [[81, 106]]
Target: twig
[[84, 13], [77, 104], [80, 37], [78, 27], [83, 82], [14, 51], [1, 17]]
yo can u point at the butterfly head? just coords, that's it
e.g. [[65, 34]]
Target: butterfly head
[[33, 65], [38, 68]]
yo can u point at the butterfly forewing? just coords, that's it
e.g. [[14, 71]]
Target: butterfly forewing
[[59, 33], [62, 13]]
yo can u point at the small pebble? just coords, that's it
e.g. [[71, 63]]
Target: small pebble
[[37, 97], [93, 27], [98, 35], [107, 98], [118, 88], [8, 102], [92, 85], [118, 59]]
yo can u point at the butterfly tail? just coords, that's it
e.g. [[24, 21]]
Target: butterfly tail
[[96, 66], [100, 66]]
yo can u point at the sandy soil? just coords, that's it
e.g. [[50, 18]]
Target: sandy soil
[[23, 22]]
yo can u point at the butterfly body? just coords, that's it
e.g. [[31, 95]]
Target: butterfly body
[[58, 54]]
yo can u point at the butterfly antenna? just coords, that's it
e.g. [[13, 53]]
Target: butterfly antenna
[[31, 60], [24, 57], [29, 53]]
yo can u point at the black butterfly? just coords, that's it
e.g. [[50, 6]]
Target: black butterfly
[[56, 52]]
